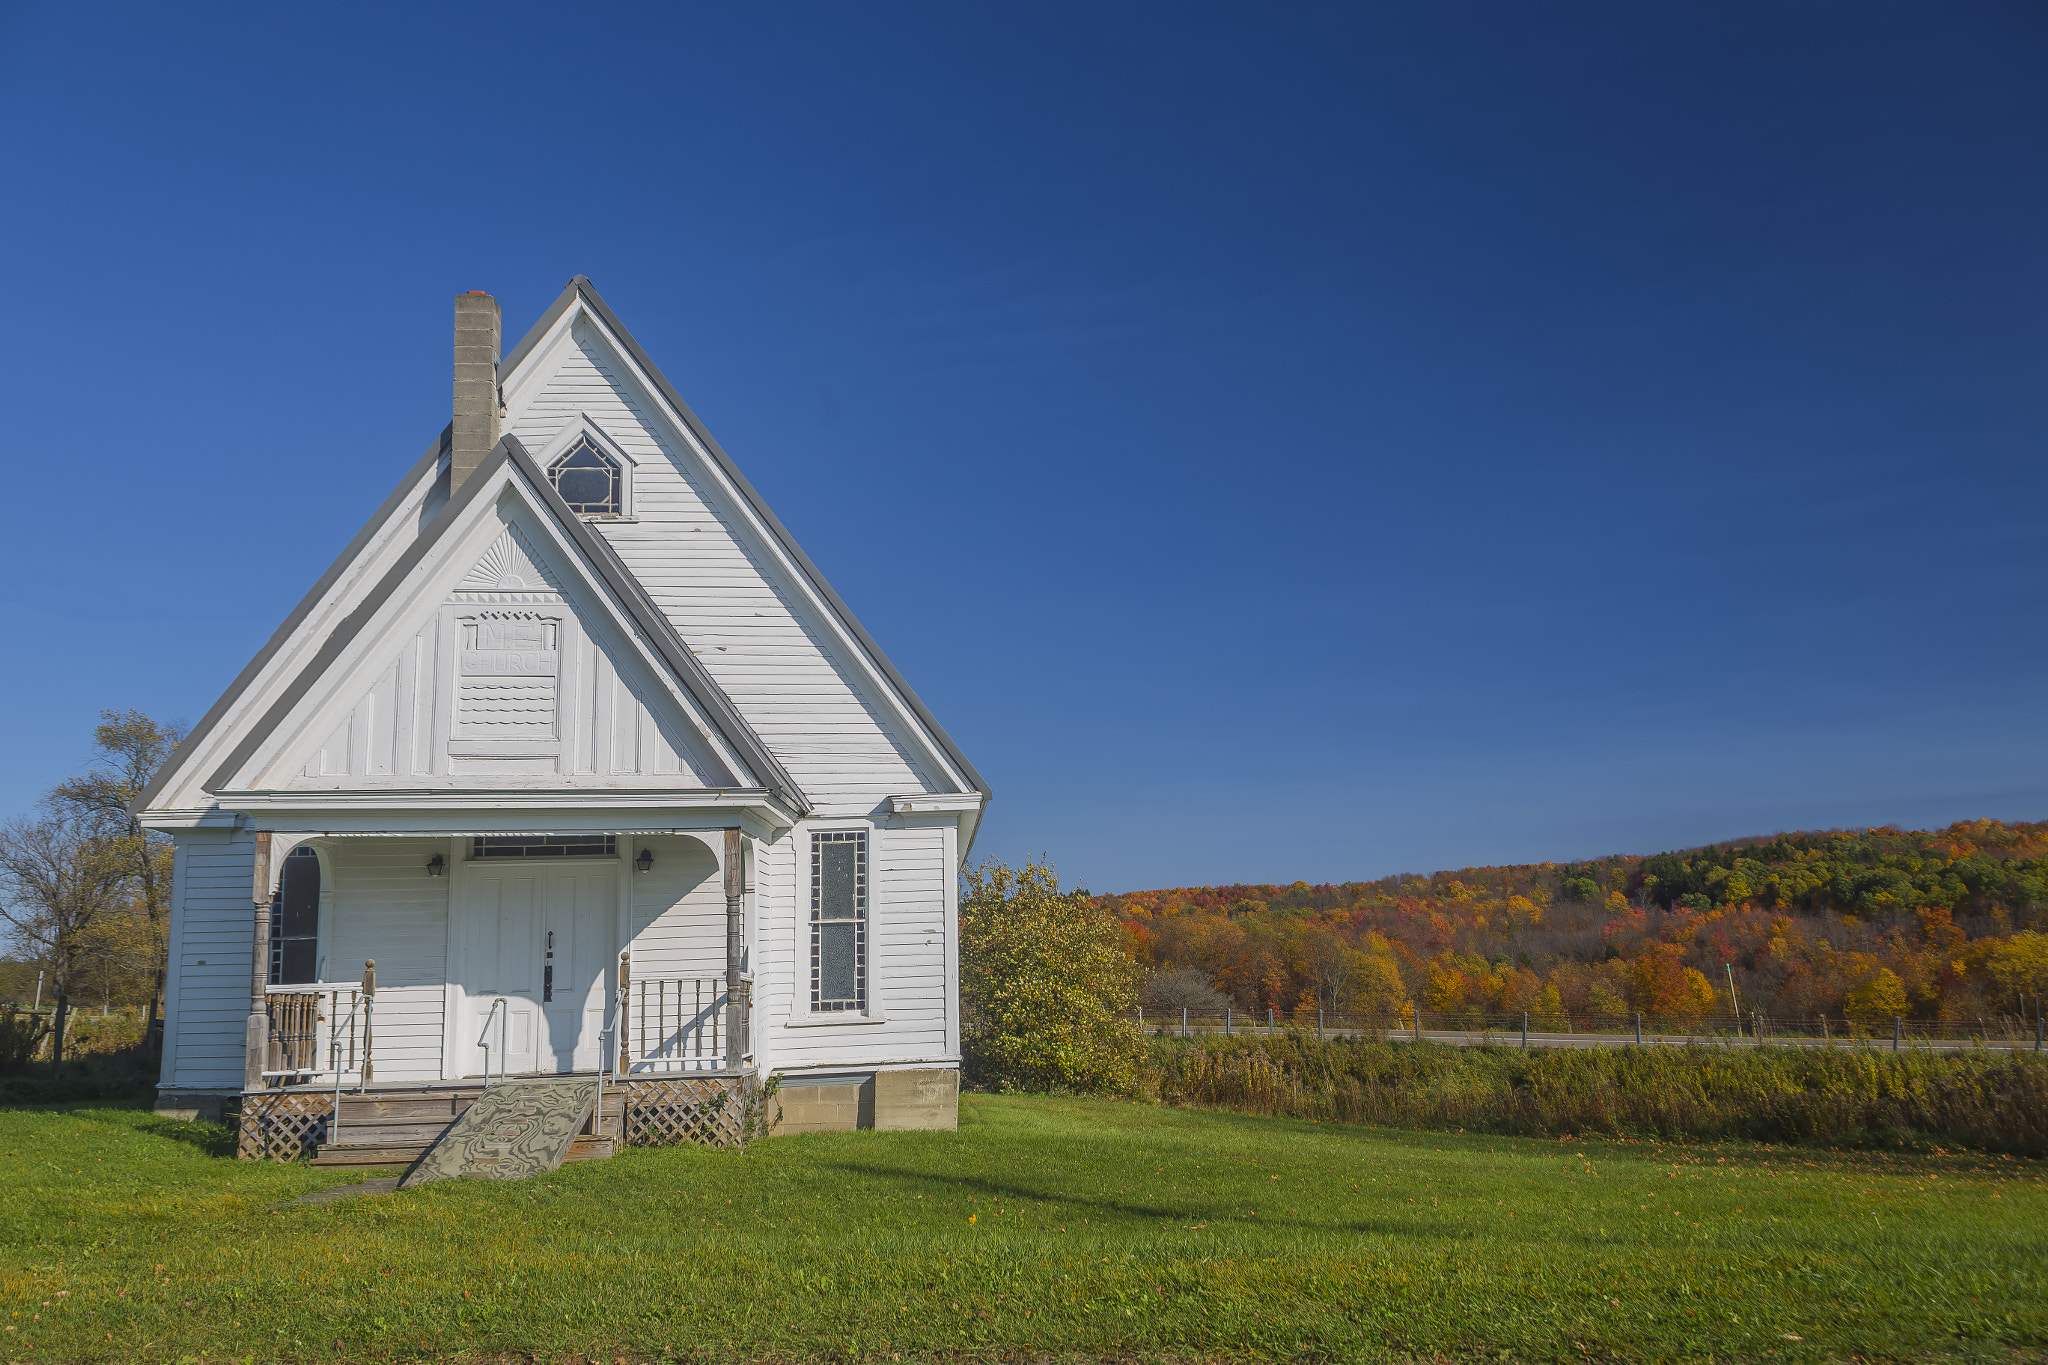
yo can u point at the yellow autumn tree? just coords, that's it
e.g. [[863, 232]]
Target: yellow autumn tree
[[2020, 964], [1878, 999], [1446, 991]]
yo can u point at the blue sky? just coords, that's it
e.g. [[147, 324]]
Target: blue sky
[[1304, 441]]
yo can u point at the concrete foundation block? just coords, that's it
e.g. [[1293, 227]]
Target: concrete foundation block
[[190, 1108], [826, 1104], [925, 1100]]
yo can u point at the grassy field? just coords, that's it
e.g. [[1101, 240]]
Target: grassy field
[[1048, 1226]]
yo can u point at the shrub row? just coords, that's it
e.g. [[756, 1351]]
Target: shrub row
[[1841, 1096]]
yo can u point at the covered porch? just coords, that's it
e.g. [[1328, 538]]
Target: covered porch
[[400, 971]]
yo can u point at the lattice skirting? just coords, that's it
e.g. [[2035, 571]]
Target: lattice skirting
[[717, 1111], [284, 1125]]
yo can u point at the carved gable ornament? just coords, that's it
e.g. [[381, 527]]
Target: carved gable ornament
[[508, 566]]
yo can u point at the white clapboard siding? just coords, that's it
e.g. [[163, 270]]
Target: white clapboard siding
[[384, 906], [384, 545], [677, 909], [776, 906], [723, 599], [418, 721], [213, 920], [906, 959], [908, 932]]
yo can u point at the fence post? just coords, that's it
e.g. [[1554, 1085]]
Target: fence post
[[1418, 1023], [1183, 1021], [1525, 1029], [1319, 1026], [1226, 1021], [1896, 1023], [2037, 1028], [1141, 1018], [1639, 1028], [1269, 1021]]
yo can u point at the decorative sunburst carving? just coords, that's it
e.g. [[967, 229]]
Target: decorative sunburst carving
[[508, 566]]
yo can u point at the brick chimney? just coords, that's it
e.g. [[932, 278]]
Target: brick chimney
[[477, 327]]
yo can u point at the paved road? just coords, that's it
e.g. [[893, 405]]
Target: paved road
[[1514, 1039]]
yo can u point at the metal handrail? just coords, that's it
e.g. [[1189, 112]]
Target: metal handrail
[[502, 1012], [365, 1003], [607, 1055]]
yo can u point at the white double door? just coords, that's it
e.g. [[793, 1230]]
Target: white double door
[[533, 948]]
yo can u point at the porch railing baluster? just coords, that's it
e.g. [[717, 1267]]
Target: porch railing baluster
[[682, 1027]]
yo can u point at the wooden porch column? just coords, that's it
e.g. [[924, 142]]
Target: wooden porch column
[[625, 1039], [258, 1038], [735, 891]]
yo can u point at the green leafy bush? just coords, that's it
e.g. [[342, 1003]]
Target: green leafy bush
[[1042, 977], [21, 1032]]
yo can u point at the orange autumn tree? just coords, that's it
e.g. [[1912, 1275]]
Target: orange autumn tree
[[1801, 922]]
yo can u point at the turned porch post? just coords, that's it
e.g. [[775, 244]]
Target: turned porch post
[[258, 1038], [625, 1039], [735, 891]]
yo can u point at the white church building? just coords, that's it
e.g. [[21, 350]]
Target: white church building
[[571, 764]]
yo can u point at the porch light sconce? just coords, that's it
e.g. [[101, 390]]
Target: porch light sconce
[[645, 862], [436, 865]]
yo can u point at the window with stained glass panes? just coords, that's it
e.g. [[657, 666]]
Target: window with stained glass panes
[[588, 479]]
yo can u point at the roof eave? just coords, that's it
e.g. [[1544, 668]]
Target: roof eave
[[198, 734], [581, 285]]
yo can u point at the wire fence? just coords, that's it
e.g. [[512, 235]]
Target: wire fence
[[89, 1028], [2005, 1032]]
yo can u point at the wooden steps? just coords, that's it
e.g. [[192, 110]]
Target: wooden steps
[[517, 1129], [390, 1129], [349, 1156]]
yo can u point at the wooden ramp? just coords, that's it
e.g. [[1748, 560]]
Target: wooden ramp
[[515, 1129], [390, 1127]]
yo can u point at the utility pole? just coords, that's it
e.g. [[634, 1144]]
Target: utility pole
[[1734, 1005]]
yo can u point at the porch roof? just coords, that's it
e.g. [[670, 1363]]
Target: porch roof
[[470, 813]]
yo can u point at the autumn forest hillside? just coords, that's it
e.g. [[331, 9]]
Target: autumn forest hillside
[[1932, 925]]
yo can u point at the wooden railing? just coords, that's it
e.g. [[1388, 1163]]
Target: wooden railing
[[320, 1028], [678, 1023]]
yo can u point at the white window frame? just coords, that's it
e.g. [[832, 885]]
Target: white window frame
[[864, 1005], [574, 430]]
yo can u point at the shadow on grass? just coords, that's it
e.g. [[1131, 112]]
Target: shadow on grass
[[87, 1087], [134, 1113], [1133, 1210], [211, 1139]]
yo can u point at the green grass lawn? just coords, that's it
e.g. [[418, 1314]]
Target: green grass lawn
[[1044, 1225]]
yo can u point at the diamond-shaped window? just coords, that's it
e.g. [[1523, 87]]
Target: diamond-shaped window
[[587, 479]]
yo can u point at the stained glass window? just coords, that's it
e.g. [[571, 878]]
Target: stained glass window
[[587, 479], [839, 921]]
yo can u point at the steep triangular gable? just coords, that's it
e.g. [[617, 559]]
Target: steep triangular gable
[[504, 647], [393, 527], [579, 361]]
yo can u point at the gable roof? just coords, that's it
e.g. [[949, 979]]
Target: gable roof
[[599, 559], [603, 561], [391, 505], [580, 288]]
